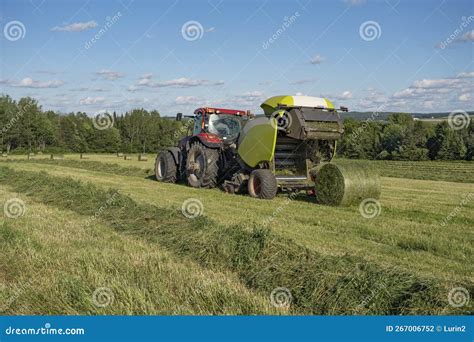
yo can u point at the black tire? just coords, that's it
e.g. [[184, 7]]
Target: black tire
[[262, 184], [165, 167], [202, 166]]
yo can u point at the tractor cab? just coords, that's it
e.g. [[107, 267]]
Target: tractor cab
[[218, 123]]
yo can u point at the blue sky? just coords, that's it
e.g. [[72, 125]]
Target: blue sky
[[178, 55]]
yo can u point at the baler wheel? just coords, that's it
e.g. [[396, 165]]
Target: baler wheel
[[262, 184]]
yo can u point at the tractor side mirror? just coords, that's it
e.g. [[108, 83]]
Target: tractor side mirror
[[179, 116]]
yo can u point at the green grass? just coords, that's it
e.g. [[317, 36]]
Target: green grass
[[52, 261], [91, 166], [408, 236], [411, 209], [261, 259]]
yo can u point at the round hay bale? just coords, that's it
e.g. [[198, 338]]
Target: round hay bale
[[344, 183], [119, 154], [142, 157], [127, 157]]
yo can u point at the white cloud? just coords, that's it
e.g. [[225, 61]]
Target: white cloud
[[187, 100], [317, 59], [355, 2], [466, 74], [420, 92], [429, 104], [109, 74], [91, 100], [97, 89], [435, 83], [183, 82], [76, 27], [346, 95], [430, 87], [468, 36], [210, 29], [28, 82], [186, 82], [48, 72], [441, 94], [309, 80], [247, 99]]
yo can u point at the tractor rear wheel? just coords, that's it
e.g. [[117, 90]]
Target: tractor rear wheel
[[262, 184], [165, 167], [202, 166]]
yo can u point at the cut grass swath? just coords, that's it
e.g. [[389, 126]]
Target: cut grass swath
[[262, 260], [91, 166]]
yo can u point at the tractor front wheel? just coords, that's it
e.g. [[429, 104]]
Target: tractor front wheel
[[165, 167], [262, 184], [202, 166]]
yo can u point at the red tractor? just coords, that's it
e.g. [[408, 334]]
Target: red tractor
[[199, 158]]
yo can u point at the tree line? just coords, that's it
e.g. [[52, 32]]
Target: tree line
[[401, 137], [25, 128]]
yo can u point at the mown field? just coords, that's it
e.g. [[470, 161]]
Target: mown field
[[152, 259]]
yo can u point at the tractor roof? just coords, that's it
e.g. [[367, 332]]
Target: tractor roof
[[271, 104], [211, 110]]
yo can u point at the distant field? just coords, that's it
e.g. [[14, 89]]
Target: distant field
[[408, 240], [455, 171]]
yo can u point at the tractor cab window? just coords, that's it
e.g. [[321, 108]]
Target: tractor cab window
[[224, 125], [197, 123]]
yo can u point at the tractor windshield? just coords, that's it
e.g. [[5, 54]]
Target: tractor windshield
[[224, 125]]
